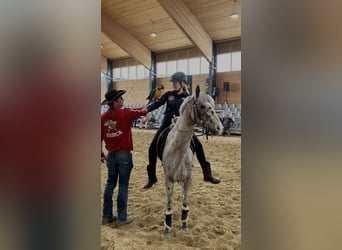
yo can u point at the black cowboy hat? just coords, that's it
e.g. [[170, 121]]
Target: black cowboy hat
[[112, 96]]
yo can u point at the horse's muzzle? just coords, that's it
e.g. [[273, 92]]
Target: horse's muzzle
[[215, 129]]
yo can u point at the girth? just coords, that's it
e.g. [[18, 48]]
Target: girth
[[162, 139]]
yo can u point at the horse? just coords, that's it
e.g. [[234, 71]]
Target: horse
[[177, 156]]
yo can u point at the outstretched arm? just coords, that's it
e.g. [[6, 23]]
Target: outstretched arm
[[159, 102]]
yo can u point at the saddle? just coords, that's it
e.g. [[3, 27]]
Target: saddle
[[162, 139]]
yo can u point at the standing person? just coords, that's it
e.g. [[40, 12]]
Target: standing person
[[117, 135], [173, 100], [227, 123]]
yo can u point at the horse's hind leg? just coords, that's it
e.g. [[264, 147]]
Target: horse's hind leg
[[168, 213], [185, 207]]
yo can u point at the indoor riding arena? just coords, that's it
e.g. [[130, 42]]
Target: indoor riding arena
[[170, 125], [143, 43]]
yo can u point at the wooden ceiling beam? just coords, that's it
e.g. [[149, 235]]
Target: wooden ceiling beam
[[125, 40], [188, 23]]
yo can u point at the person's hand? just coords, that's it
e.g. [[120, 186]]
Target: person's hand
[[175, 118], [144, 110], [103, 158]]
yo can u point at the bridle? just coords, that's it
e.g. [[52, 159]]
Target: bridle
[[195, 117]]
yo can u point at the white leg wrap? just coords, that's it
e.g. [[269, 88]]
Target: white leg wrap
[[169, 228], [185, 208]]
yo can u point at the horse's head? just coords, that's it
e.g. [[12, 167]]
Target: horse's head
[[205, 114]]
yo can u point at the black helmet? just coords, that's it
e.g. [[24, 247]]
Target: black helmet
[[178, 77]]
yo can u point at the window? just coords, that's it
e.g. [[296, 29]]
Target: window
[[141, 72], [124, 73], [224, 62], [194, 64], [236, 60], [117, 74], [229, 61], [132, 72], [204, 66], [103, 78], [171, 67], [182, 65], [161, 69]]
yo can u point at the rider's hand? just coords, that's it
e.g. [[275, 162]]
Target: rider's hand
[[175, 118]]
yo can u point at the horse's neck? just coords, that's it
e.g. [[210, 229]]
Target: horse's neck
[[184, 127]]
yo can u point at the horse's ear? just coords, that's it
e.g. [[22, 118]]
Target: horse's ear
[[197, 91]]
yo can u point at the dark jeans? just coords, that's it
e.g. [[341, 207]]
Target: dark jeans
[[152, 151], [120, 165]]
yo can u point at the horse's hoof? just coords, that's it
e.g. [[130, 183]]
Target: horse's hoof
[[184, 227], [167, 234]]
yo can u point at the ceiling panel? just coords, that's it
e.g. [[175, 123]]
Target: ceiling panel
[[141, 17]]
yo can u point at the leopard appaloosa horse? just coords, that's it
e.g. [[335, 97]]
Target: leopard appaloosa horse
[[177, 156]]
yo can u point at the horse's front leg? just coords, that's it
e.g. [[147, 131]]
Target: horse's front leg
[[168, 214], [185, 207]]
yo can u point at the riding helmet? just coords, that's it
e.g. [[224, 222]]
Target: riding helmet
[[178, 77]]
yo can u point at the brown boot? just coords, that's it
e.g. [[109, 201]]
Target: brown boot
[[207, 173]]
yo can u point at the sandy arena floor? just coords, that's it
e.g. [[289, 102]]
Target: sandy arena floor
[[215, 210]]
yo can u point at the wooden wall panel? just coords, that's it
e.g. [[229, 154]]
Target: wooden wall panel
[[179, 54], [137, 90], [200, 81], [229, 46], [234, 79]]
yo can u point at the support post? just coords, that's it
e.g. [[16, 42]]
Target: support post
[[153, 72], [212, 72]]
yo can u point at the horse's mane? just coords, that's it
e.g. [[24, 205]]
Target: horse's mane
[[185, 103]]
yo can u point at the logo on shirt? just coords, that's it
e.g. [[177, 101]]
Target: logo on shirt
[[111, 125]]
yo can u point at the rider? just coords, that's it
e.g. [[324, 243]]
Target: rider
[[173, 100]]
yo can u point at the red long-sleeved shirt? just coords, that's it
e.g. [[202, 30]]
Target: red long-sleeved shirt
[[116, 128]]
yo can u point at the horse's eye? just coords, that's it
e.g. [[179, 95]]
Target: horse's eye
[[202, 107]]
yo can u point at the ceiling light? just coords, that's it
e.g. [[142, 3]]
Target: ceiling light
[[153, 33], [234, 14]]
